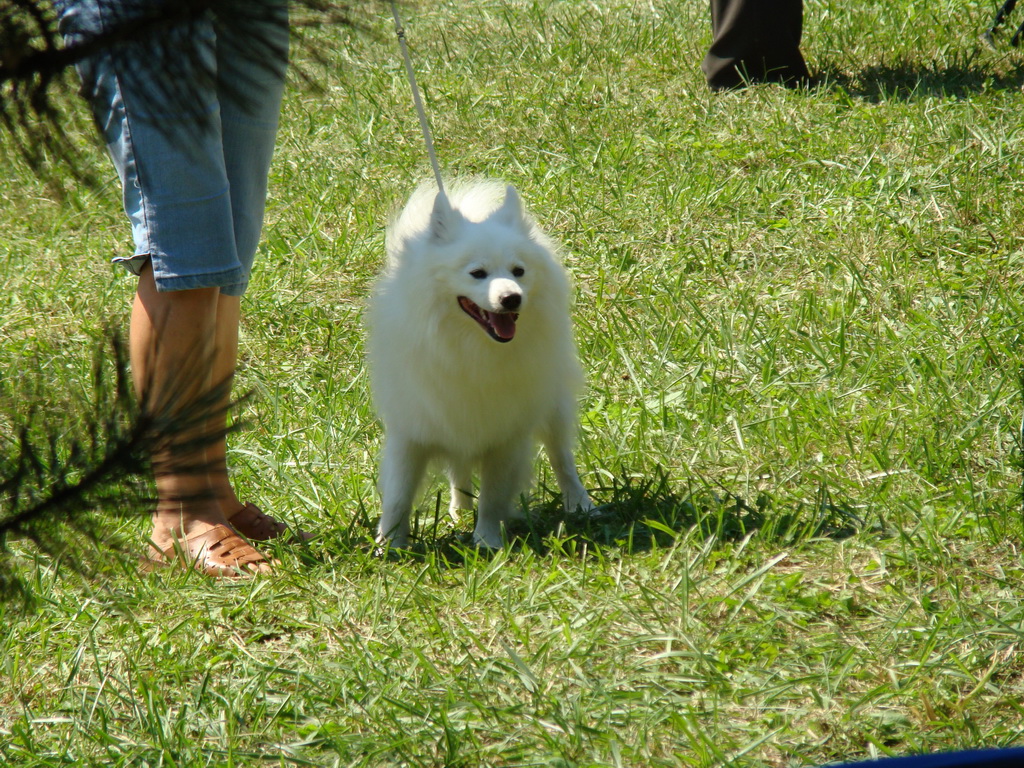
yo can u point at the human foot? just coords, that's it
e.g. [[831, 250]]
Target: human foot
[[255, 525], [212, 549]]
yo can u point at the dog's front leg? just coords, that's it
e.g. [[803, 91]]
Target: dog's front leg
[[504, 472], [558, 444], [401, 470], [460, 480]]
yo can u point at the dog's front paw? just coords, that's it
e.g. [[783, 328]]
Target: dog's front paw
[[387, 546], [579, 504], [488, 540]]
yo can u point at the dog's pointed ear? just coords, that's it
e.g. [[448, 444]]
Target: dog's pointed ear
[[444, 220], [510, 212]]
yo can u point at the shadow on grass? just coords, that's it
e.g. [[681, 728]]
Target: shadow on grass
[[914, 80], [641, 514]]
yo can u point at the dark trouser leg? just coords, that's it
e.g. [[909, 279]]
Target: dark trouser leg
[[755, 41]]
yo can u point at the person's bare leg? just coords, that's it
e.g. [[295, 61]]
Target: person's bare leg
[[225, 360], [174, 354], [249, 520]]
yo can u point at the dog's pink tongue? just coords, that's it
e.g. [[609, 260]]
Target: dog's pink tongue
[[503, 323]]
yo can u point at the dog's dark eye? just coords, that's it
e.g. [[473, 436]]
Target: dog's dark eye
[[518, 272], [479, 274]]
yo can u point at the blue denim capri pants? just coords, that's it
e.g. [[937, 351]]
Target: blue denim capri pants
[[196, 195]]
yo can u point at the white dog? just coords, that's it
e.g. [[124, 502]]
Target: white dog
[[471, 357]]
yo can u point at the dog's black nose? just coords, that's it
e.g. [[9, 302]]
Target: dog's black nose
[[511, 301]]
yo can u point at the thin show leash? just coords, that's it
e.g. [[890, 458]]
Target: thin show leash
[[417, 101]]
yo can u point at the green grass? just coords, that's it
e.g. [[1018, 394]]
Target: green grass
[[800, 314]]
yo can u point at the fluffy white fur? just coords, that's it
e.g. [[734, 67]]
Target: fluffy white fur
[[471, 357]]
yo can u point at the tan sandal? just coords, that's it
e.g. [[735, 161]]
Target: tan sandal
[[215, 550], [255, 525]]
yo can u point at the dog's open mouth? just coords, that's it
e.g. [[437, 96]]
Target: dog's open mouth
[[501, 326]]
